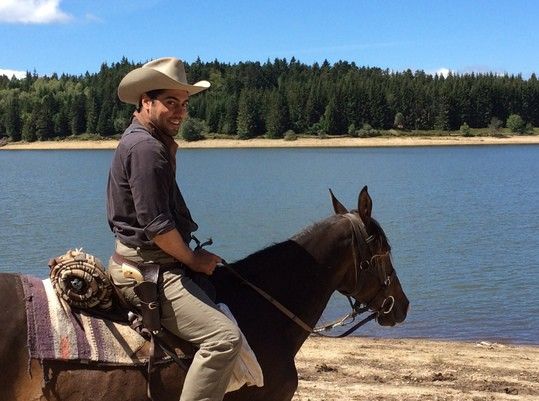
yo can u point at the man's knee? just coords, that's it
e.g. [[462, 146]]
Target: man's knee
[[234, 338], [228, 341]]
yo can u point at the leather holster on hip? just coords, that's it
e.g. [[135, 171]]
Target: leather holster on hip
[[147, 292]]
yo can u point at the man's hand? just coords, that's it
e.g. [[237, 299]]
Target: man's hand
[[199, 261], [204, 261]]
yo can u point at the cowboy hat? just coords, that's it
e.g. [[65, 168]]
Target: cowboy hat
[[163, 73]]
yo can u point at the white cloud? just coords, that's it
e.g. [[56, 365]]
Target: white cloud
[[32, 11], [10, 73], [444, 72]]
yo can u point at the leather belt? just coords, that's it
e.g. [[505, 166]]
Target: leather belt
[[119, 259]]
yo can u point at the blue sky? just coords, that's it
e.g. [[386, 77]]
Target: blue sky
[[75, 36]]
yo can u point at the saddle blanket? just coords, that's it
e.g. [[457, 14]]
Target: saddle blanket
[[55, 334]]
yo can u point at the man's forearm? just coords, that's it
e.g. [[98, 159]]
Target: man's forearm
[[172, 243], [200, 261]]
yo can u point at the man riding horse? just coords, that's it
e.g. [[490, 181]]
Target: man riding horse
[[152, 225]]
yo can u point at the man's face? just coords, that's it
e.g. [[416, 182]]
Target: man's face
[[168, 110]]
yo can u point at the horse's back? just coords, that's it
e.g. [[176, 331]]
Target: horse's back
[[28, 380]]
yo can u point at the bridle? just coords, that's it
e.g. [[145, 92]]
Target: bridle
[[371, 263], [365, 262]]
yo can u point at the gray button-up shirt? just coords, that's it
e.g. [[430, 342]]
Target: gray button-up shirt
[[143, 198]]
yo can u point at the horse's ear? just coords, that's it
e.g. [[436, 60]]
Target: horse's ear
[[364, 205], [337, 206]]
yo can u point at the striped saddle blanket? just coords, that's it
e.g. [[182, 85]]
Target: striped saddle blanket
[[55, 334]]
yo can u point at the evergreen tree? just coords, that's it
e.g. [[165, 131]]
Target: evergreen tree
[[277, 122], [247, 121], [214, 111], [92, 111], [29, 127], [314, 108], [12, 121], [228, 121], [105, 123], [77, 114], [329, 121], [61, 123], [45, 119], [441, 121]]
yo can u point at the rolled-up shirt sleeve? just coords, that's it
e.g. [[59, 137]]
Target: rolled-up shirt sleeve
[[151, 179]]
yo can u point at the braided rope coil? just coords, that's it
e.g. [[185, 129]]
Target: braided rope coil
[[81, 281]]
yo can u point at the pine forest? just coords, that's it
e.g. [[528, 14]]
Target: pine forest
[[274, 99]]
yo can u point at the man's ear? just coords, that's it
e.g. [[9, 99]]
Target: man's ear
[[145, 102]]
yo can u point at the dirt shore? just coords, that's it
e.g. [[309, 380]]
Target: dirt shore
[[300, 142], [409, 370]]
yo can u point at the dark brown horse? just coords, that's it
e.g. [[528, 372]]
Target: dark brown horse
[[347, 252]]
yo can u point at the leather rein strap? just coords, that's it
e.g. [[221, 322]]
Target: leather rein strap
[[359, 232], [272, 300]]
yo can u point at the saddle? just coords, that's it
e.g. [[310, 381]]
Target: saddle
[[83, 286]]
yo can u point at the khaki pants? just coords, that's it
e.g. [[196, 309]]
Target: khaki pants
[[189, 313]]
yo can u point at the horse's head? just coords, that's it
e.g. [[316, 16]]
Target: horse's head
[[370, 277]]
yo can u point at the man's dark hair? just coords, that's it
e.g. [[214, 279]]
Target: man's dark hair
[[152, 95]]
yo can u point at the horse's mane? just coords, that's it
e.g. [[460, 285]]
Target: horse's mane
[[380, 234], [288, 255], [316, 227], [276, 249]]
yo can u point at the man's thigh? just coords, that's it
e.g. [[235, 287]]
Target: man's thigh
[[189, 313]]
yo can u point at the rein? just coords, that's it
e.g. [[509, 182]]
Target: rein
[[360, 236], [272, 300]]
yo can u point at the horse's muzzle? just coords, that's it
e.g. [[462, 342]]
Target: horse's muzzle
[[393, 311]]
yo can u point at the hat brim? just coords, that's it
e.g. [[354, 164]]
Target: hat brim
[[142, 80]]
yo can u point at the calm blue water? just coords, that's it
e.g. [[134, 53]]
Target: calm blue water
[[463, 222]]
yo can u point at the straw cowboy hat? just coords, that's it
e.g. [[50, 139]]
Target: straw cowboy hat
[[163, 73]]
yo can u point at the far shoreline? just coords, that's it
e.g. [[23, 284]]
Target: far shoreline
[[302, 142]]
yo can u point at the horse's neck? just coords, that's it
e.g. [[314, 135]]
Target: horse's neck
[[300, 273]]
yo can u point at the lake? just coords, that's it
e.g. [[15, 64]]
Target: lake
[[463, 221]]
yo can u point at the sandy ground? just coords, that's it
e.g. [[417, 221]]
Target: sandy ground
[[409, 370], [301, 142]]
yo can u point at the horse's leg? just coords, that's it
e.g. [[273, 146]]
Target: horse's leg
[[280, 384], [284, 382]]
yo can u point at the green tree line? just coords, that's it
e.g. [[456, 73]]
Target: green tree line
[[250, 99]]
